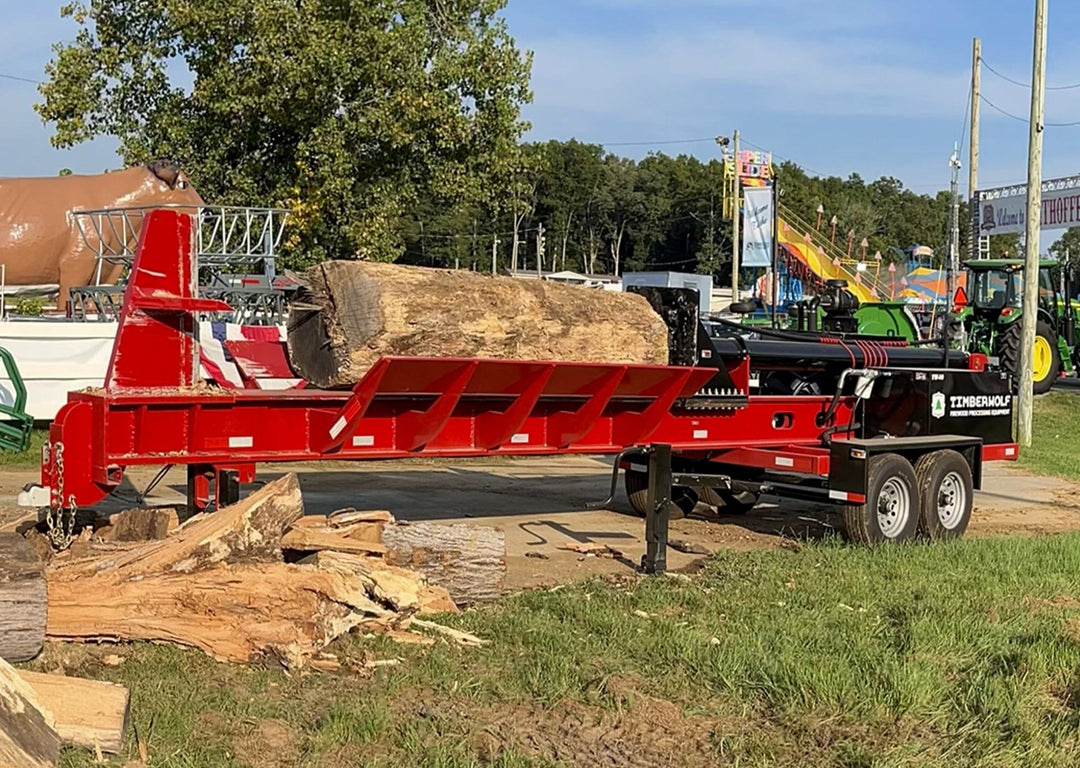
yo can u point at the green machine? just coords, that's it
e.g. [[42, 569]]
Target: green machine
[[991, 319], [16, 424]]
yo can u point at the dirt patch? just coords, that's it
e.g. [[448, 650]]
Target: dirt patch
[[267, 743], [638, 731]]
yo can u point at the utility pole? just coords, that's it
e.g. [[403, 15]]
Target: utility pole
[[954, 225], [494, 252], [735, 220], [1031, 237], [973, 149], [540, 243]]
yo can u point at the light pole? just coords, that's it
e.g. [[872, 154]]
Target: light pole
[[723, 141], [954, 225]]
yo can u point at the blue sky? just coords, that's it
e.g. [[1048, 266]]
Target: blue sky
[[874, 86]]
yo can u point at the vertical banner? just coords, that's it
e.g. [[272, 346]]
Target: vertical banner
[[757, 227]]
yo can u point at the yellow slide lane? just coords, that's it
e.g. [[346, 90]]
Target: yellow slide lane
[[820, 264]]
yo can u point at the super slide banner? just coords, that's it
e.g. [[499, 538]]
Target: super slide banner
[[758, 216]]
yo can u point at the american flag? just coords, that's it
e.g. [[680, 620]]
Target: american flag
[[246, 356]]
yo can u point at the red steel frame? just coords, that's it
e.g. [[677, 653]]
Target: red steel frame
[[154, 410]]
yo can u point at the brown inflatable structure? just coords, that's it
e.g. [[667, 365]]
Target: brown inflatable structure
[[40, 242]]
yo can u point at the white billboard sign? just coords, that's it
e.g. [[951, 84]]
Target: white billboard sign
[[1003, 211], [757, 227]]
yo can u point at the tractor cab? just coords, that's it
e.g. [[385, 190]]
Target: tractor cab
[[996, 288]]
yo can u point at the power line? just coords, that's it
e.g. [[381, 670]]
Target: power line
[[1021, 84], [20, 79], [1006, 113], [655, 143]]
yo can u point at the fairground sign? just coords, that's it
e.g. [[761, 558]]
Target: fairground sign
[[1003, 211]]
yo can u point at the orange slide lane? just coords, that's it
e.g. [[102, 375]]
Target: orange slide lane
[[802, 247]]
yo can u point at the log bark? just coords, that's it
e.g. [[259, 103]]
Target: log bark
[[22, 599], [87, 713], [468, 560], [28, 738], [368, 310]]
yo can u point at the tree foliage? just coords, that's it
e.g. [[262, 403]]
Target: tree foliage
[[605, 213], [392, 130], [351, 112]]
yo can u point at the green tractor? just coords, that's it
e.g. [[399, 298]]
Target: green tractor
[[991, 319]]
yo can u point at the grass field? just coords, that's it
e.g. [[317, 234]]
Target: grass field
[[965, 654], [951, 655], [1055, 448]]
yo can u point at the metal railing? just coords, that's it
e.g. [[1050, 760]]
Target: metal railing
[[225, 236], [846, 265], [231, 242]]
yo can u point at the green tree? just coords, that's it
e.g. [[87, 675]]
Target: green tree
[[350, 112]]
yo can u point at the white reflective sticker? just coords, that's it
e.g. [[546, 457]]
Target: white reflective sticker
[[783, 461], [362, 441], [241, 441], [520, 437], [701, 434]]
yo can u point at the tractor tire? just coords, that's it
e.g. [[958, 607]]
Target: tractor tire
[[636, 483], [743, 307], [1046, 347], [890, 514], [946, 490]]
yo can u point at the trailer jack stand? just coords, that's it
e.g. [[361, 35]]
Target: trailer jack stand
[[659, 510], [226, 486]]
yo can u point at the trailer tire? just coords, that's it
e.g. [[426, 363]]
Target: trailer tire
[[890, 513], [636, 483], [946, 489]]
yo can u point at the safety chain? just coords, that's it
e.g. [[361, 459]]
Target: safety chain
[[60, 522]]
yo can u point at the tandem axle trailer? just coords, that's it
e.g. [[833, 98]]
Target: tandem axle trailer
[[882, 434]]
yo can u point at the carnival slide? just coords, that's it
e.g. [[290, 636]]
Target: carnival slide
[[800, 246]]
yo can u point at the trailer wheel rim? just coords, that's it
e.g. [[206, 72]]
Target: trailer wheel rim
[[1043, 358], [893, 507], [951, 501]]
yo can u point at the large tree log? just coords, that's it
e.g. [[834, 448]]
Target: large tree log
[[244, 613], [370, 310], [28, 738], [22, 599], [468, 560], [87, 713]]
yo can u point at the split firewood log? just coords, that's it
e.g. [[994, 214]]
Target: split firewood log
[[28, 737], [369, 310], [22, 599], [86, 713]]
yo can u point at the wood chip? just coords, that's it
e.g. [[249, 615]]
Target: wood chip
[[688, 547], [349, 515], [591, 548], [464, 638], [538, 555]]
